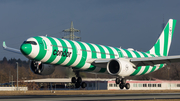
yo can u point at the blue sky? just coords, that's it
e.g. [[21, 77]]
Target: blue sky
[[119, 23]]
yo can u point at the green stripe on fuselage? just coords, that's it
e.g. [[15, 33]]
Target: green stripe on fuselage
[[84, 56], [145, 70], [146, 67], [63, 49], [136, 71], [42, 49], [74, 53], [154, 67], [91, 68], [93, 51], [137, 54], [111, 53], [102, 52], [140, 67], [54, 47], [119, 52], [128, 53]]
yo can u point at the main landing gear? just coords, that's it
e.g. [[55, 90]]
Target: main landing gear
[[78, 81], [122, 83]]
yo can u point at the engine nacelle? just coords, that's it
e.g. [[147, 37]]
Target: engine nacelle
[[120, 67], [41, 69]]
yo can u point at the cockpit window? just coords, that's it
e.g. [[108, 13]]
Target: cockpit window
[[30, 42]]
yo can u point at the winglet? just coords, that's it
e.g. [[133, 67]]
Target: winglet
[[4, 44], [11, 49]]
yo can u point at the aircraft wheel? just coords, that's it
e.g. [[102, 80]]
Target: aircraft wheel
[[73, 80], [79, 80], [127, 85], [117, 80], [77, 85], [123, 81], [121, 86], [83, 85]]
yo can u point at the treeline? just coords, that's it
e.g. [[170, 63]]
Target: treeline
[[8, 72]]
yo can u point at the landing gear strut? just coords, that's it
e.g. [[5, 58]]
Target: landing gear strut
[[122, 83], [78, 82]]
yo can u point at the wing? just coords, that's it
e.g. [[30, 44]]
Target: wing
[[154, 60], [138, 61], [11, 49], [99, 62]]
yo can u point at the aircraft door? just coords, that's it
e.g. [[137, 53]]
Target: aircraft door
[[44, 45]]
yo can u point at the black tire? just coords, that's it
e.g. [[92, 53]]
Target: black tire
[[79, 80], [73, 80], [117, 81], [121, 86], [127, 86], [123, 81], [77, 85], [83, 85]]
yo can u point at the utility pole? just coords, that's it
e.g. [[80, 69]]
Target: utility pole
[[71, 36], [12, 80], [71, 31], [9, 76], [17, 75]]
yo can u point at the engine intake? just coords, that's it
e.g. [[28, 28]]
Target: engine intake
[[114, 66], [119, 67], [41, 69]]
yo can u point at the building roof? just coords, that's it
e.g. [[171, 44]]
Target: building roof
[[65, 80], [62, 80]]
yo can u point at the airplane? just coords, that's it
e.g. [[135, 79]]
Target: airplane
[[47, 52]]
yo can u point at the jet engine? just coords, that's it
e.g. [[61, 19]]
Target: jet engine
[[120, 67], [41, 69]]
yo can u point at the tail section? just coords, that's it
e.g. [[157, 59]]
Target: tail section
[[161, 47]]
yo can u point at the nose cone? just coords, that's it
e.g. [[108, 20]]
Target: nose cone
[[26, 49]]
